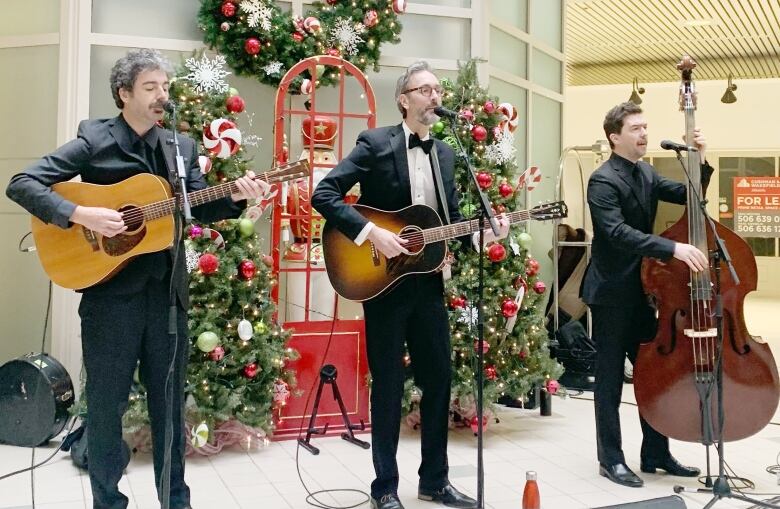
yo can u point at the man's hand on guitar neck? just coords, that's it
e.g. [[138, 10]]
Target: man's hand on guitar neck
[[387, 242], [250, 188], [107, 222]]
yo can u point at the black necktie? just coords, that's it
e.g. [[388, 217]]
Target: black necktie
[[415, 141]]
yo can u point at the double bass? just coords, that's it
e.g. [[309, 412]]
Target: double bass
[[674, 376]]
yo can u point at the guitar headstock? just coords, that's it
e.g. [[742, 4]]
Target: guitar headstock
[[288, 171], [552, 210]]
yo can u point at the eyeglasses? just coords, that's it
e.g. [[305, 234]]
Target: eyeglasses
[[426, 90]]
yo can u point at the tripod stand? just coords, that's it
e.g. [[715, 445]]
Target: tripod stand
[[328, 375]]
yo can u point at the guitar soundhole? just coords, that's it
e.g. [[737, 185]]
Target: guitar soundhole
[[127, 241], [415, 237]]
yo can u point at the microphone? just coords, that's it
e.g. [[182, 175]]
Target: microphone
[[677, 147], [444, 112], [169, 106]]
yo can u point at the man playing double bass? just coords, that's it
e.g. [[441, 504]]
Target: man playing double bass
[[623, 195]]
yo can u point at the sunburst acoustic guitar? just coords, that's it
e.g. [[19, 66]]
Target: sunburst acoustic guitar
[[360, 272], [77, 257]]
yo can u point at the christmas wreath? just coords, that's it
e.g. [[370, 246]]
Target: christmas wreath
[[258, 39]]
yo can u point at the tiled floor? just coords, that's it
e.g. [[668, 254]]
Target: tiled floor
[[561, 448]]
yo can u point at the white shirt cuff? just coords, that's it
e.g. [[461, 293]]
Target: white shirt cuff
[[364, 233]]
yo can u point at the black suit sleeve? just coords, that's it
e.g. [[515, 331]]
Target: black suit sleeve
[[608, 221], [32, 187], [328, 198]]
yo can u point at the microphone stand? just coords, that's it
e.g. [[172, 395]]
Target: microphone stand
[[720, 489], [182, 214], [486, 214]]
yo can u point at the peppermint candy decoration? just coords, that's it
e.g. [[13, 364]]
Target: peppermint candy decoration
[[221, 138], [200, 435], [306, 86], [509, 118], [530, 178], [205, 164], [281, 392], [215, 237], [312, 24]]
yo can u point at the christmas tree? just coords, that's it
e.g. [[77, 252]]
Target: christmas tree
[[516, 355], [236, 375]]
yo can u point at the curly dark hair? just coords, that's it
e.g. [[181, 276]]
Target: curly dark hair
[[127, 69]]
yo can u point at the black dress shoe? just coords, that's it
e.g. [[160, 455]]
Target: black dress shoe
[[621, 474], [672, 467], [389, 501], [448, 496]]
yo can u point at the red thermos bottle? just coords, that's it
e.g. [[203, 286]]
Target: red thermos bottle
[[531, 492]]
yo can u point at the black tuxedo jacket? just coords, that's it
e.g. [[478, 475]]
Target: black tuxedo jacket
[[379, 163], [102, 153], [623, 213]]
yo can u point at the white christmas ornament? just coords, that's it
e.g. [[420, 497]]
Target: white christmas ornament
[[503, 149], [205, 164], [200, 435], [274, 67], [192, 258], [259, 13], [245, 330], [207, 74]]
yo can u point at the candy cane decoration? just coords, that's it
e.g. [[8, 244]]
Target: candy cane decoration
[[509, 120], [222, 138], [529, 179]]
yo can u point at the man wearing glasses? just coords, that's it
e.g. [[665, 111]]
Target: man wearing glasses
[[393, 167]]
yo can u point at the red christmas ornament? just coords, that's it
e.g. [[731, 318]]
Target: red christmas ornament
[[217, 354], [496, 253], [489, 107], [268, 260], [250, 370], [520, 282], [371, 18], [297, 36], [475, 424], [458, 302], [509, 307], [490, 372], [500, 208], [505, 189], [531, 267], [332, 2], [247, 269], [484, 179], [208, 263], [334, 52], [196, 231], [228, 9], [467, 114], [522, 354], [485, 347], [552, 386], [540, 287], [479, 133], [235, 104], [252, 46]]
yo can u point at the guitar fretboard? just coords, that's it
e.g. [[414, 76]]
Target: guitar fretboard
[[165, 208], [451, 231]]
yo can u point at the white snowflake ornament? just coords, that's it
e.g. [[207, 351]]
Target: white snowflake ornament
[[346, 33], [258, 12], [503, 149], [273, 68], [192, 258], [207, 74]]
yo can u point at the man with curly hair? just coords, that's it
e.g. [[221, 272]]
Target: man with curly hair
[[125, 320]]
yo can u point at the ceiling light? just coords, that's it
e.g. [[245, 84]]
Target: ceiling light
[[636, 92], [728, 96]]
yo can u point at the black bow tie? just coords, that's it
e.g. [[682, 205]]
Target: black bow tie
[[415, 141]]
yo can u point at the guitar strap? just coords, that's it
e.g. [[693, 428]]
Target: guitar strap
[[436, 169]]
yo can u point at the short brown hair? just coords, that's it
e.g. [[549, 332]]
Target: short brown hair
[[613, 122]]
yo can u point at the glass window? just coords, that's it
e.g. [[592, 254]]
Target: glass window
[[730, 168], [514, 12], [546, 70], [173, 19], [668, 213], [546, 22], [432, 37], [508, 53], [446, 3], [30, 17]]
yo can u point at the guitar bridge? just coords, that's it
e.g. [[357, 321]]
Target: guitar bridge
[[375, 255], [90, 237]]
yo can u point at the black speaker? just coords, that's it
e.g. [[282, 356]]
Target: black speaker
[[670, 502], [35, 394]]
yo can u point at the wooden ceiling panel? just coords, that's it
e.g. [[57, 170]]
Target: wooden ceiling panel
[[613, 41]]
